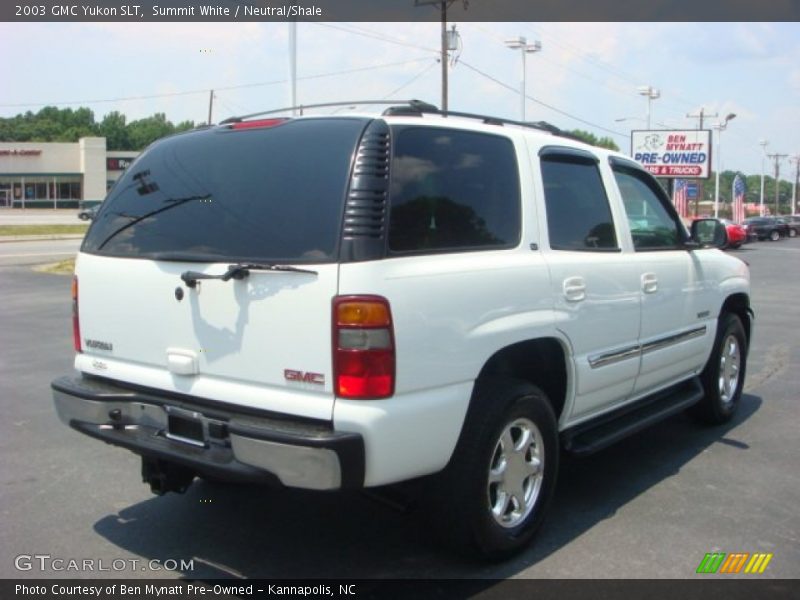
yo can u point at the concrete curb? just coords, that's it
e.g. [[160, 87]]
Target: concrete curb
[[37, 238]]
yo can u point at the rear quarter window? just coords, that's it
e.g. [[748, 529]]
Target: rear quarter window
[[452, 190]]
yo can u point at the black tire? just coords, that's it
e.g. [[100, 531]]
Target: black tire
[[774, 235], [722, 390], [83, 217], [464, 495], [793, 232]]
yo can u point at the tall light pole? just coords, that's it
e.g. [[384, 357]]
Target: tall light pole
[[521, 44], [720, 127], [763, 144], [796, 160], [293, 65], [652, 94]]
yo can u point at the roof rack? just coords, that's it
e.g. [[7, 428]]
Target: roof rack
[[302, 107], [419, 107], [413, 107]]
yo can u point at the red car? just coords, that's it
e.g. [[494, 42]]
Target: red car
[[737, 234]]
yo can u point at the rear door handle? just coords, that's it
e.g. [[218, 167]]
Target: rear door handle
[[649, 283], [574, 289]]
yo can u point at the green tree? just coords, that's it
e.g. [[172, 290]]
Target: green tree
[[590, 138], [114, 129], [53, 124]]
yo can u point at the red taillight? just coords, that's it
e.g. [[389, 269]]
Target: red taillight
[[76, 325], [363, 347], [258, 123]]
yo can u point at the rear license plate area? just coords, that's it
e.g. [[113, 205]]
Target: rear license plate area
[[185, 427]]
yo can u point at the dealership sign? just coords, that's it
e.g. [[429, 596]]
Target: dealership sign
[[673, 153]]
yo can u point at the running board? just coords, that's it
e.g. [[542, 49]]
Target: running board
[[595, 435]]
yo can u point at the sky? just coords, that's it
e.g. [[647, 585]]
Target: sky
[[589, 72]]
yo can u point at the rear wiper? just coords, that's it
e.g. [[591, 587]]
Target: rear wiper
[[240, 271]]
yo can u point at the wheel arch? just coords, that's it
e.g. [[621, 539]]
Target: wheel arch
[[739, 304], [540, 361]]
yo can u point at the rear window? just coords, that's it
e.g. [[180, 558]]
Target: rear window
[[453, 190], [271, 194]]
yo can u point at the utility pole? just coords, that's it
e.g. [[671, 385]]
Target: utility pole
[[763, 144], [442, 4], [700, 182], [444, 55], [777, 158], [210, 105], [796, 160]]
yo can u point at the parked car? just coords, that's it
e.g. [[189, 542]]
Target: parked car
[[767, 228], [794, 224], [350, 302], [88, 214], [737, 234]]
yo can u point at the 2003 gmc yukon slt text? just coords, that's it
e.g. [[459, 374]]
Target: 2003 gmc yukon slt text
[[351, 302]]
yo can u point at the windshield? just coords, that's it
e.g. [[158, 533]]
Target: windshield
[[274, 194]]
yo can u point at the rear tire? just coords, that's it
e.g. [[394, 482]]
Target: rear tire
[[774, 235], [723, 376], [793, 232], [494, 494]]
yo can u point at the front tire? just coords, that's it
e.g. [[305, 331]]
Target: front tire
[[723, 376], [494, 494], [774, 235]]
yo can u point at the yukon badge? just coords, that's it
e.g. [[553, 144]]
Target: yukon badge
[[303, 377], [98, 345]]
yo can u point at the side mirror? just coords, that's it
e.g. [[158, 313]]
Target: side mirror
[[710, 233]]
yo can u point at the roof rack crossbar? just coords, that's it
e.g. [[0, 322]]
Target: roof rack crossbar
[[423, 107], [302, 107]]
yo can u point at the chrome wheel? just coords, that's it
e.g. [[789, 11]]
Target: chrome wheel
[[729, 364], [516, 472]]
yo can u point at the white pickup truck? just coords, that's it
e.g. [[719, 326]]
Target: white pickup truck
[[330, 302]]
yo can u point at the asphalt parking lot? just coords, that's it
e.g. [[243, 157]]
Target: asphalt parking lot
[[650, 507]]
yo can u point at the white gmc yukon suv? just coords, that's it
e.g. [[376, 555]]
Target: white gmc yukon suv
[[340, 302]]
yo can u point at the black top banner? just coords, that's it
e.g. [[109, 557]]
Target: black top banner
[[402, 10]]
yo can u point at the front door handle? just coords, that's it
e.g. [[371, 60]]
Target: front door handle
[[649, 283], [574, 289]]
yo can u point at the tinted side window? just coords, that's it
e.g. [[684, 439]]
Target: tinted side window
[[578, 214], [452, 190], [652, 226]]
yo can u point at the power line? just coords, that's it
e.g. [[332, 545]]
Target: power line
[[221, 88], [374, 35], [405, 85], [537, 101], [410, 81]]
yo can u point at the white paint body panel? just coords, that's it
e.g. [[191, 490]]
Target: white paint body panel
[[238, 335]]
